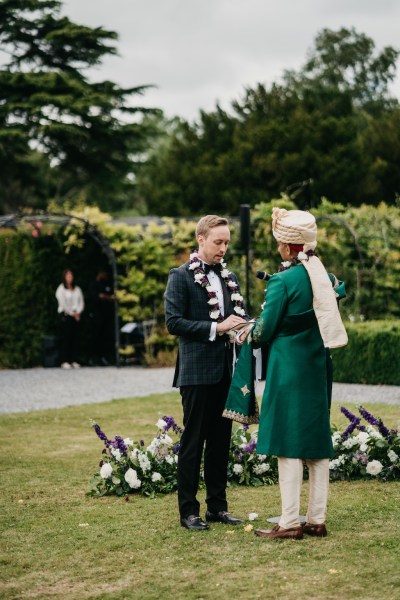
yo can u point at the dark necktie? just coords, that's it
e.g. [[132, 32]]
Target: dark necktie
[[216, 268]]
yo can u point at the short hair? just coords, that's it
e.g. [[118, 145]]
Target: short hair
[[209, 222]]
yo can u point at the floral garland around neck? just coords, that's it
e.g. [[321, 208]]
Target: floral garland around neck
[[296, 261], [201, 278]]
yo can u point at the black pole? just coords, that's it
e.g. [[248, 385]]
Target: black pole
[[245, 236]]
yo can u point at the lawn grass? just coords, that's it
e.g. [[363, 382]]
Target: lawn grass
[[59, 543]]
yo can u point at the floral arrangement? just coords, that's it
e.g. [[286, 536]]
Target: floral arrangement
[[201, 278], [129, 466], [369, 451]]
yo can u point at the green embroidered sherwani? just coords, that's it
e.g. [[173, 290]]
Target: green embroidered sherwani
[[294, 419]]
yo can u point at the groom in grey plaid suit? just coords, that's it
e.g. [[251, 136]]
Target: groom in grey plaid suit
[[203, 372]]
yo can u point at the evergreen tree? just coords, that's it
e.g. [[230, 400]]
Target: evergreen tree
[[60, 134]]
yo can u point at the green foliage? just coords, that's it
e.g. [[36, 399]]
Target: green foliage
[[359, 245], [371, 355], [83, 145], [330, 130]]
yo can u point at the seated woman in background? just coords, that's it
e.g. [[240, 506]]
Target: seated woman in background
[[70, 306]]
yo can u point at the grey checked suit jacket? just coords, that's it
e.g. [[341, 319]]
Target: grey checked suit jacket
[[199, 362]]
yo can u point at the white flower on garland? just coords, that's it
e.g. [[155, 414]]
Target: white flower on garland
[[286, 264], [302, 256], [374, 467], [393, 457], [161, 424], [237, 469], [232, 284], [132, 479], [194, 265], [106, 470], [239, 310], [198, 277], [213, 301], [236, 296], [225, 273], [214, 314], [156, 477]]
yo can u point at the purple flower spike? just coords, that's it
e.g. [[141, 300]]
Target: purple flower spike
[[101, 434], [377, 422], [348, 414]]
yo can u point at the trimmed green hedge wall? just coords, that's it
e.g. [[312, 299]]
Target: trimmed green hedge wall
[[371, 356]]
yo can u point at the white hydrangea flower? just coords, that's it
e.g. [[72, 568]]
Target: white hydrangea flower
[[350, 442], [374, 467], [134, 454], [237, 469], [144, 462], [393, 457], [169, 459], [132, 479], [116, 454], [161, 424], [128, 442], [261, 468], [261, 457], [336, 438], [364, 447], [106, 470], [176, 458], [156, 477], [363, 437]]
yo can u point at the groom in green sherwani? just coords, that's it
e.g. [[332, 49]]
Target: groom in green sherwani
[[202, 303], [299, 324]]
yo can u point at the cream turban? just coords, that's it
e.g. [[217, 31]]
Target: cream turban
[[299, 227], [294, 227]]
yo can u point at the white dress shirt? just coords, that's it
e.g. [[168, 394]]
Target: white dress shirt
[[215, 281]]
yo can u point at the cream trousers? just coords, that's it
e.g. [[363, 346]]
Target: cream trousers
[[290, 480]]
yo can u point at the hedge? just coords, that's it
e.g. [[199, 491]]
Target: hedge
[[371, 356]]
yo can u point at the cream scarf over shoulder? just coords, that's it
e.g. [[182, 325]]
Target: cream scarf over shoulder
[[299, 227]]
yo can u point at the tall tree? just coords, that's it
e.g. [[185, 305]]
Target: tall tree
[[85, 136], [333, 124]]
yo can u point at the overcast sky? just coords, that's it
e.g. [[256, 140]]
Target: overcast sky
[[204, 51]]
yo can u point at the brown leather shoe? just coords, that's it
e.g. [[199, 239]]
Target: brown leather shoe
[[315, 530], [279, 533]]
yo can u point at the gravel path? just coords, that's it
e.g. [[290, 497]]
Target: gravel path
[[36, 389]]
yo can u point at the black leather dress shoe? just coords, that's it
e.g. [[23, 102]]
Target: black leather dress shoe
[[223, 517], [194, 523]]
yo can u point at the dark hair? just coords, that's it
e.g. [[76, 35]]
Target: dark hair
[[73, 278]]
